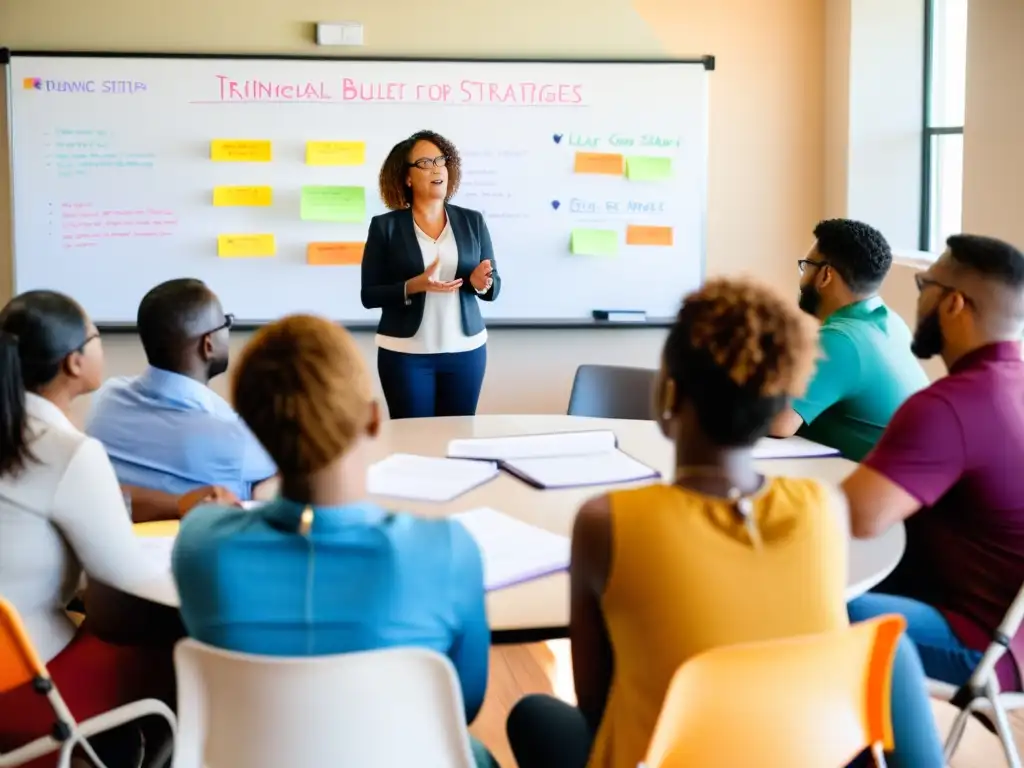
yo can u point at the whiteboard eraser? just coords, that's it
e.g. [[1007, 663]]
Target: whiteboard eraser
[[339, 33]]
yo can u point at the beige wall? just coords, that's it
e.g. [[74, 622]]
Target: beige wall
[[994, 123], [766, 119]]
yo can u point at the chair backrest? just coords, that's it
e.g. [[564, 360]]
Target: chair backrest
[[393, 707], [19, 662], [811, 700], [612, 392]]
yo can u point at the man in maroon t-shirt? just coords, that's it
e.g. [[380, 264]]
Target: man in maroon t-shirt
[[951, 463]]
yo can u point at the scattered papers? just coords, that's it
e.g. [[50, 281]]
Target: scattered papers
[[513, 551], [425, 478], [791, 448]]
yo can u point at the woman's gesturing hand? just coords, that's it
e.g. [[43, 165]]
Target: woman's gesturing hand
[[426, 283], [481, 278]]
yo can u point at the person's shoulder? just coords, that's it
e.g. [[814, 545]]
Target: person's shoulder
[[207, 527], [389, 219], [470, 214]]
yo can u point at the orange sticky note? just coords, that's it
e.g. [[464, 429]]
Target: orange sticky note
[[239, 151], [598, 162], [334, 254], [638, 234]]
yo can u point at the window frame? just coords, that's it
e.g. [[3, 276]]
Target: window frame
[[929, 131]]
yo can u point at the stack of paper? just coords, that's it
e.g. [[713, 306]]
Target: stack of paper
[[425, 478], [513, 551], [791, 448], [558, 460]]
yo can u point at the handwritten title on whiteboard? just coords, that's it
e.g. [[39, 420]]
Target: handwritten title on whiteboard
[[348, 89]]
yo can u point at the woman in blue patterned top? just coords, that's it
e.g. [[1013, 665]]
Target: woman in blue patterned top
[[321, 570]]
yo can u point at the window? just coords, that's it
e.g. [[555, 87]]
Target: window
[[945, 81]]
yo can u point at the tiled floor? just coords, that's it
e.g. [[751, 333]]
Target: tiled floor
[[546, 668]]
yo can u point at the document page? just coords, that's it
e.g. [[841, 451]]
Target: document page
[[791, 448], [513, 551], [532, 446], [427, 478]]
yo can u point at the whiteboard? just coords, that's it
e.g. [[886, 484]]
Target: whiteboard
[[116, 159]]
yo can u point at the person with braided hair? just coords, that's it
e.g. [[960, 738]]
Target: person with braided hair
[[699, 558], [321, 570]]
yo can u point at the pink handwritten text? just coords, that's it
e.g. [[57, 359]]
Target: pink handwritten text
[[464, 92], [270, 90]]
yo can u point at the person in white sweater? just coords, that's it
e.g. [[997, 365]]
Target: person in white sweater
[[62, 511]]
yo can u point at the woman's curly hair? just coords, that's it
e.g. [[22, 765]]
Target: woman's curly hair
[[302, 388], [739, 351], [394, 192]]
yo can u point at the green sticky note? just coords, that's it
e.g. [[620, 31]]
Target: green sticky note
[[642, 168], [343, 204], [594, 242]]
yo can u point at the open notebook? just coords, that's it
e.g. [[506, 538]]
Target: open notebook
[[427, 478], [557, 460], [513, 551]]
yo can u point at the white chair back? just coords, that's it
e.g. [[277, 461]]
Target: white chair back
[[389, 708]]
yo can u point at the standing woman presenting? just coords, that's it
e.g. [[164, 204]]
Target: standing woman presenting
[[426, 264]]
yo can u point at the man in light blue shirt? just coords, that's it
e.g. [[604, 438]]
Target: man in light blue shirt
[[167, 430]]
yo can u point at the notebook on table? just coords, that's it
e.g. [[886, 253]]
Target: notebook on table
[[557, 460], [513, 551], [791, 448], [427, 478]]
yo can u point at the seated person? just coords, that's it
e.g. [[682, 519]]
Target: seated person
[[866, 369], [61, 510], [720, 555], [384, 579], [166, 430], [950, 465]]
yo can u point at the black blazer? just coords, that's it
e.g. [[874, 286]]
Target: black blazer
[[393, 255]]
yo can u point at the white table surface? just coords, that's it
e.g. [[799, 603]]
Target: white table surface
[[540, 608]]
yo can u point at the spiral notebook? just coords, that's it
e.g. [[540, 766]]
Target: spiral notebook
[[557, 460]]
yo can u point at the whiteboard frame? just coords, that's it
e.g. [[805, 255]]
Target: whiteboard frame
[[707, 61]]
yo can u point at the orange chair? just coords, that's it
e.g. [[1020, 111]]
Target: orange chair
[[815, 700], [20, 664]]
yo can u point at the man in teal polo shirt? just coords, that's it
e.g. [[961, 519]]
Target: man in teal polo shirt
[[866, 370]]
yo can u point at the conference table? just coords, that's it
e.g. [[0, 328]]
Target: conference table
[[539, 609]]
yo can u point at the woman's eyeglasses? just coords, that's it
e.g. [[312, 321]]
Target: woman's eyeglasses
[[426, 163]]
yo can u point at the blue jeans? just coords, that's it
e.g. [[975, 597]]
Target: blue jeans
[[417, 386], [944, 657]]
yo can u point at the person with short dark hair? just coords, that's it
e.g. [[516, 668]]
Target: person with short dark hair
[[166, 429], [720, 555], [62, 512], [346, 574], [426, 265], [949, 464], [865, 370]]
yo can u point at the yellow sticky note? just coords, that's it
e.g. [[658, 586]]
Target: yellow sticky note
[[239, 151], [245, 246], [244, 196], [594, 242], [335, 152], [640, 168]]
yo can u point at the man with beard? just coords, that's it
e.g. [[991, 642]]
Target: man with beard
[[166, 430], [866, 370], [950, 465]]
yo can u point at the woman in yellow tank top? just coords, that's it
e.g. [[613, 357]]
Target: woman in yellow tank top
[[722, 555]]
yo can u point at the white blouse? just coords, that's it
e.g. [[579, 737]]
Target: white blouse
[[441, 327], [63, 511]]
